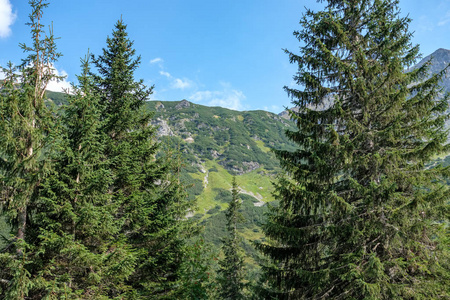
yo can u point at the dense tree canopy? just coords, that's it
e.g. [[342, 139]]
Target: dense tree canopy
[[360, 214], [96, 208], [27, 131]]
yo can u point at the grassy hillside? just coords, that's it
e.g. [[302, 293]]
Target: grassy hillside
[[217, 143]]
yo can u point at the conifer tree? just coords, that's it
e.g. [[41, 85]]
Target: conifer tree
[[26, 126], [76, 252], [360, 214], [197, 279], [97, 211], [231, 272], [151, 203]]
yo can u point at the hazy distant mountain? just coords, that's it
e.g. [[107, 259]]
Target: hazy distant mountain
[[439, 60]]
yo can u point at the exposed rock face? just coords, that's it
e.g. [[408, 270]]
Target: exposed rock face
[[164, 129], [189, 140], [159, 106], [183, 104], [246, 167], [215, 154], [251, 166], [285, 114]]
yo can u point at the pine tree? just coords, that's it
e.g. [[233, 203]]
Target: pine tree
[[231, 272], [26, 126], [151, 203], [361, 213]]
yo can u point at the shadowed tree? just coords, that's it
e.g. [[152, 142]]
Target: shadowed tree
[[231, 272], [360, 213]]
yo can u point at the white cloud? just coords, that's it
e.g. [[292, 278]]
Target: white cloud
[[156, 60], [228, 98], [164, 73], [273, 108], [177, 83], [174, 83], [181, 83], [61, 85], [54, 85], [7, 18], [201, 96]]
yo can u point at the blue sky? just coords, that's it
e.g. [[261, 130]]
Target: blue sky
[[219, 53]]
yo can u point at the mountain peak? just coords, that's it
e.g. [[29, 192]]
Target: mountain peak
[[183, 104], [439, 60], [441, 50], [441, 56]]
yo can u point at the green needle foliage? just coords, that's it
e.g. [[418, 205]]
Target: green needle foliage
[[78, 251], [151, 203], [360, 215], [26, 127], [96, 209], [231, 272]]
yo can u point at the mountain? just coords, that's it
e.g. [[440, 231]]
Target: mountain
[[217, 143], [237, 141], [440, 59]]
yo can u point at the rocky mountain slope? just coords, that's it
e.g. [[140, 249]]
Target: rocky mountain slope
[[440, 59], [238, 141], [217, 143]]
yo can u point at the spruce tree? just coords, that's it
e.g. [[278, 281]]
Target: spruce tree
[[151, 203], [361, 214], [26, 130], [76, 252], [97, 212], [231, 272]]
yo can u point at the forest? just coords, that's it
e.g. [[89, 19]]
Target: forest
[[97, 203]]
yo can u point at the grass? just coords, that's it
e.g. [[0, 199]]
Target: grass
[[262, 146]]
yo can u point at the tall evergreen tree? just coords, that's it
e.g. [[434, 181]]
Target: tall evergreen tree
[[75, 251], [360, 213], [231, 272], [26, 125], [151, 203], [107, 219]]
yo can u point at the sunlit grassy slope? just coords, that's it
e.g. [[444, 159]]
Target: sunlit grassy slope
[[217, 144]]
